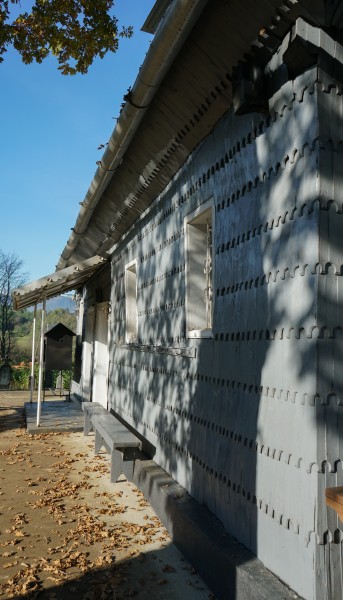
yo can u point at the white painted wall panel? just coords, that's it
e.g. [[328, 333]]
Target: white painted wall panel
[[242, 421]]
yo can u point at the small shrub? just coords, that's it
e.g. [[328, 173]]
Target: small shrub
[[21, 377]]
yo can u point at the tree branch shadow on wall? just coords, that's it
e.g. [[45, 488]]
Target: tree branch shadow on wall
[[224, 418]]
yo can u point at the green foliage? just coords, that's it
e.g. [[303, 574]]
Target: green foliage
[[59, 315], [75, 31], [23, 322], [22, 351], [21, 377]]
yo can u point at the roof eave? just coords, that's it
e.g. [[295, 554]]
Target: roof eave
[[168, 41], [64, 280]]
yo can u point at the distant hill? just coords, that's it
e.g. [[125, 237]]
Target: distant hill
[[65, 301]]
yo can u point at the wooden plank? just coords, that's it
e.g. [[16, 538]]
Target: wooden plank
[[90, 409], [114, 433], [118, 441]]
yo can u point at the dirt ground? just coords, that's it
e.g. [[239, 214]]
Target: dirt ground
[[66, 531]]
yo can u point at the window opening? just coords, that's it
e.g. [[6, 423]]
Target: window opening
[[131, 302], [208, 275], [199, 274]]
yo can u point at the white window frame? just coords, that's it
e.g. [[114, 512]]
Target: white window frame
[[192, 317], [131, 313]]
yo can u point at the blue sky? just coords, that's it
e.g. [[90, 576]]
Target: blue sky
[[51, 127]]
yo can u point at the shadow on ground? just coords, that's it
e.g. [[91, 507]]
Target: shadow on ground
[[145, 576], [11, 418]]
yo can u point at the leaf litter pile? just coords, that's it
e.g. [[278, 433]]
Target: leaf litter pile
[[66, 530]]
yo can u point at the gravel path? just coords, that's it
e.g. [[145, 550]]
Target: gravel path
[[66, 531]]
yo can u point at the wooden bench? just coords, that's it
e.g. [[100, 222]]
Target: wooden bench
[[91, 409], [123, 445]]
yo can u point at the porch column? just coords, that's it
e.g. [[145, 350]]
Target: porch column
[[32, 387], [41, 357]]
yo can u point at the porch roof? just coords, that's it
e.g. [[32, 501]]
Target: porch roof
[[57, 283]]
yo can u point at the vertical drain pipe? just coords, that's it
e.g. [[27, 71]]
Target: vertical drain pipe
[[32, 383], [41, 356]]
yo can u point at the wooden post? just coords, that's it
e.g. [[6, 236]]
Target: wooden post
[[41, 357], [32, 386]]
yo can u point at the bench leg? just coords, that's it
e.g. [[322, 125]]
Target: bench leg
[[128, 466], [98, 442], [129, 457], [116, 465], [88, 424]]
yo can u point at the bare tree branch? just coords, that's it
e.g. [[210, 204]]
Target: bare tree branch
[[11, 276]]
